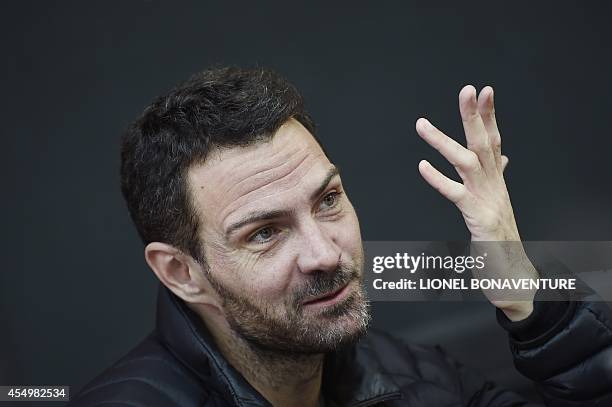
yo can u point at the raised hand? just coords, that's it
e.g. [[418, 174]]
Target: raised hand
[[482, 197]]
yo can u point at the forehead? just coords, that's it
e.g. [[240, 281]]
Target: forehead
[[235, 180]]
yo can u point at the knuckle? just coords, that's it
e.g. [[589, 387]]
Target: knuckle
[[497, 153], [471, 161], [460, 196], [444, 144], [496, 142], [469, 117], [481, 147]]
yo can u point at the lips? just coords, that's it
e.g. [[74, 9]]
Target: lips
[[330, 296]]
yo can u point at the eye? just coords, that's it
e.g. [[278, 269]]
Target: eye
[[330, 200], [263, 235]]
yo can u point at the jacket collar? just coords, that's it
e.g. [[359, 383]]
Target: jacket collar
[[352, 376]]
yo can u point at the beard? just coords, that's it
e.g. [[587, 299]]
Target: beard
[[290, 330]]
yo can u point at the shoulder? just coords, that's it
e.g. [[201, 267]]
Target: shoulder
[[411, 362], [148, 375], [395, 352]]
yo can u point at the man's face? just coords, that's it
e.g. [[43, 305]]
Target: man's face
[[282, 243]]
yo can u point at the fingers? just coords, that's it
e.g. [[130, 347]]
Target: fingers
[[486, 109], [475, 131], [452, 190], [464, 160]]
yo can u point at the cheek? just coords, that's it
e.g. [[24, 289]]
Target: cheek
[[262, 280], [272, 277], [349, 233]]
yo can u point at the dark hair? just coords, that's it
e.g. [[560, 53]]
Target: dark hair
[[215, 108]]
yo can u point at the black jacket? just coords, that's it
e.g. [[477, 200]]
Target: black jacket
[[178, 365]]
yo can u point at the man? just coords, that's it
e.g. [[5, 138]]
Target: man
[[258, 249]]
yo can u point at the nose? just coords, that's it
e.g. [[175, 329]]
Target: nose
[[319, 252]]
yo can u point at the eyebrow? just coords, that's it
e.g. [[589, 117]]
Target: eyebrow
[[258, 216], [331, 173]]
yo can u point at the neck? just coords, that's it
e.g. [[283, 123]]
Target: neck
[[284, 379]]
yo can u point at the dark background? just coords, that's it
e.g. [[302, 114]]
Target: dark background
[[75, 292]]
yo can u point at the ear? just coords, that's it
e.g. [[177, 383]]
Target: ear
[[181, 274]]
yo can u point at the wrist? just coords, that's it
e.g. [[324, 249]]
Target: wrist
[[515, 310]]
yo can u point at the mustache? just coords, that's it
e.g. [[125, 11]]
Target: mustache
[[323, 282]]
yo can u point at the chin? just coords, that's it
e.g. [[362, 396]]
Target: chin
[[342, 329]]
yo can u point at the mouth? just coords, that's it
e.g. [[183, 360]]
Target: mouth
[[327, 299]]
